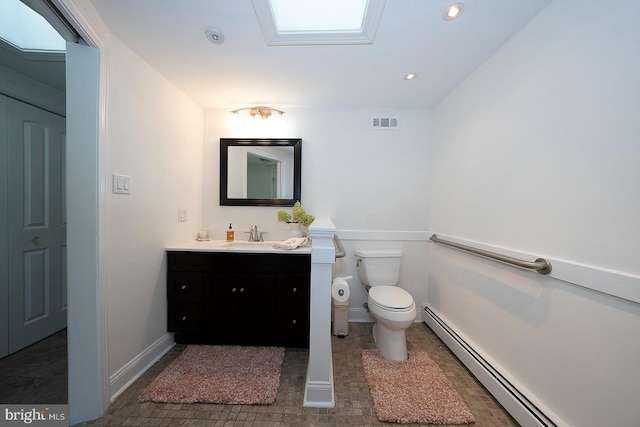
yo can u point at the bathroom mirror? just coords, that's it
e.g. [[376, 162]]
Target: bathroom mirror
[[260, 172]]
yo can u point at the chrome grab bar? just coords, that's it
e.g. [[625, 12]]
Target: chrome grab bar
[[340, 252], [541, 265]]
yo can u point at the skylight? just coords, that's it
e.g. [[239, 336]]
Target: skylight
[[26, 30], [318, 15], [290, 22]]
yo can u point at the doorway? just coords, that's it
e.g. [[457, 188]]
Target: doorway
[[32, 191], [262, 177], [85, 79]]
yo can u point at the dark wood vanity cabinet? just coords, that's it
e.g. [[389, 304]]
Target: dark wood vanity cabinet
[[239, 298]]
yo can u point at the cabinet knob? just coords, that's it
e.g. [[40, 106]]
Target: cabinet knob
[[233, 289], [295, 321], [184, 318], [294, 290], [241, 289], [183, 287]]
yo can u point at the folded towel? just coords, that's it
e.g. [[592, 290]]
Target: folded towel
[[292, 243]]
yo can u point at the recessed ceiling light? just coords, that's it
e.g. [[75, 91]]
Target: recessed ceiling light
[[453, 12], [410, 76], [215, 36]]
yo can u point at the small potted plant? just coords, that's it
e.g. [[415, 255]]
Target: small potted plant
[[298, 217]]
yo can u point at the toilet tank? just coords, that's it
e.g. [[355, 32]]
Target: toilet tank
[[378, 267]]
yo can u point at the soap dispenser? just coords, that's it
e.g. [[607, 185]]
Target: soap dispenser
[[230, 234]]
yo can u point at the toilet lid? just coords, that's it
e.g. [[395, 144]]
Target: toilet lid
[[391, 297]]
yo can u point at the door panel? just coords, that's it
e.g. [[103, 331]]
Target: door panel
[[36, 286], [36, 175], [36, 224]]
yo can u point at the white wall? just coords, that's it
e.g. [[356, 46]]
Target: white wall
[[154, 135], [371, 183], [537, 152]]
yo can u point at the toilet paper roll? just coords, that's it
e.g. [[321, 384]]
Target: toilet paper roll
[[340, 290]]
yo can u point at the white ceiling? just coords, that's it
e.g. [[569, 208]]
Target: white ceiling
[[412, 37]]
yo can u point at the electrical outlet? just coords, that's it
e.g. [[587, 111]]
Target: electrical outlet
[[182, 215]]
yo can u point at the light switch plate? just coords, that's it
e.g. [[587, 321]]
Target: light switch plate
[[121, 184], [182, 215]]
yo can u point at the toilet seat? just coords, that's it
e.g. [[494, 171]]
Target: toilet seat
[[391, 298]]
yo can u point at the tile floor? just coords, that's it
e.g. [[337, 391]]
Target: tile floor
[[354, 405], [36, 374]]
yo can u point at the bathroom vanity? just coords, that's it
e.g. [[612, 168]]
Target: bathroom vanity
[[240, 293]]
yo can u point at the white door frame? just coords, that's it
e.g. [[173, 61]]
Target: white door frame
[[86, 319], [86, 213]]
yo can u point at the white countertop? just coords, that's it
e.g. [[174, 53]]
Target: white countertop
[[235, 246]]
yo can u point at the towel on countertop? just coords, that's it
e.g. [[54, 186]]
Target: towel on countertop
[[289, 244]]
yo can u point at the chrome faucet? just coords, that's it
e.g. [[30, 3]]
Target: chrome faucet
[[254, 234]]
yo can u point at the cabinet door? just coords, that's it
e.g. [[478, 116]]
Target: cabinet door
[[243, 305]]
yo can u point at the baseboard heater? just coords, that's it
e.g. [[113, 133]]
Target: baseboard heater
[[518, 406]]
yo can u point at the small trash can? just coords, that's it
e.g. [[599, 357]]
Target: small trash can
[[340, 318]]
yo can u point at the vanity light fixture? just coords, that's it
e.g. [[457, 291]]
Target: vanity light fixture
[[262, 112], [453, 11]]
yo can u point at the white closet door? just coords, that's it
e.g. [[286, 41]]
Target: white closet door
[[36, 224]]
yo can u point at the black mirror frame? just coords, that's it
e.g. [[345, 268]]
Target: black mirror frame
[[225, 143]]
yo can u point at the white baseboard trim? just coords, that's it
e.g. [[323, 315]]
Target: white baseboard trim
[[125, 376], [518, 406], [360, 315]]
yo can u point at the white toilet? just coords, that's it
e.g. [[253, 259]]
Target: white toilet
[[392, 307]]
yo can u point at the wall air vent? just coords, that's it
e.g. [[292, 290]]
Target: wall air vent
[[384, 123]]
